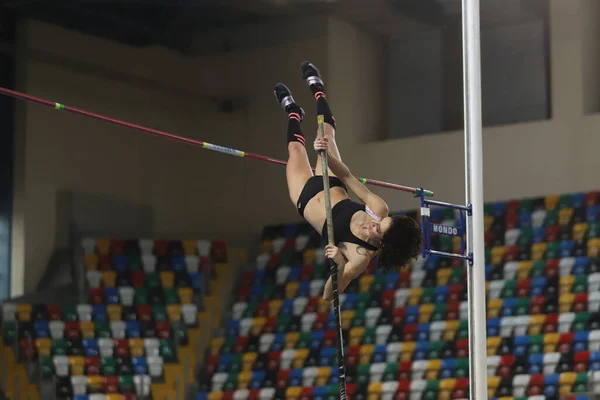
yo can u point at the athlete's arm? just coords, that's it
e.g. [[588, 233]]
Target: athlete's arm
[[346, 270]]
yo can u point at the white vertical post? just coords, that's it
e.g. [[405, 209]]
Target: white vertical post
[[474, 195]]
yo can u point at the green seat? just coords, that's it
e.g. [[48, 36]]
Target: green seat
[[427, 295], [551, 218], [171, 296], [304, 341], [236, 363], [369, 336], [525, 236], [446, 243], [487, 209], [564, 201], [126, 384], [580, 285], [362, 301], [286, 257], [362, 374], [282, 323], [159, 313], [140, 296], [488, 254], [536, 344], [457, 275], [525, 206], [552, 250], [435, 350], [9, 332], [391, 372], [231, 382], [581, 383], [47, 367], [463, 330], [70, 313], [108, 365], [320, 271], [523, 306], [439, 312], [268, 292], [180, 331], [359, 318], [538, 269], [228, 345], [462, 368], [250, 310], [593, 230], [134, 261], [447, 213], [152, 280], [333, 392], [60, 347], [581, 321], [102, 330], [509, 289], [378, 283], [431, 390]]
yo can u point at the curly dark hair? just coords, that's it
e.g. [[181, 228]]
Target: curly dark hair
[[401, 243]]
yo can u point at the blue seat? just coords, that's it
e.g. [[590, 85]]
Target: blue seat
[[521, 345], [255, 291], [334, 378], [139, 365], [539, 234], [581, 266], [296, 377], [498, 209], [379, 354], [278, 342], [119, 262], [259, 277], [488, 272], [81, 397], [423, 331], [508, 307], [201, 396], [303, 288], [441, 294], [90, 347], [294, 275], [316, 339], [41, 329], [594, 363], [412, 314], [287, 307], [331, 322], [233, 327], [592, 213], [391, 280], [111, 296], [178, 263], [436, 214], [536, 363], [320, 392], [525, 220], [578, 200], [431, 262], [580, 341], [257, 379], [551, 385], [566, 248], [224, 362], [421, 350], [290, 230], [327, 356], [447, 368], [196, 281], [133, 329], [349, 301], [99, 313], [493, 327], [538, 285]]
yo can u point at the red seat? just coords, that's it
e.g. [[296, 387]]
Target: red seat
[[263, 309], [218, 251], [505, 366], [565, 342], [403, 391], [137, 279], [457, 263], [462, 348], [550, 323], [270, 325], [460, 388], [92, 365], [523, 288], [581, 361], [311, 305], [97, 296], [552, 233], [104, 262], [404, 280], [274, 357], [453, 310], [283, 378], [129, 396], [163, 329], [405, 371], [455, 292], [121, 347], [247, 277], [512, 221], [307, 392], [350, 389], [488, 237], [228, 395], [591, 198], [254, 394], [410, 332], [551, 268], [387, 298], [144, 312], [210, 365], [512, 207], [117, 246], [72, 330], [398, 315], [320, 322], [54, 312], [206, 266], [161, 248], [290, 244], [274, 262], [511, 253], [111, 384], [580, 302], [537, 304], [240, 344], [306, 273], [353, 355], [243, 293], [28, 348], [330, 338], [536, 383]]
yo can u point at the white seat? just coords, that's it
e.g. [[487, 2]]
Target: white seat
[[190, 314], [245, 325], [89, 245], [400, 297], [57, 329], [266, 394], [388, 390], [282, 275], [436, 330], [265, 342], [382, 333], [595, 378], [594, 340], [84, 312], [510, 270], [192, 263], [418, 369], [309, 375], [507, 325], [149, 261], [594, 282], [316, 287], [495, 289], [61, 365], [299, 305], [492, 365], [142, 385], [594, 302], [105, 347], [287, 356], [418, 263], [511, 236], [79, 384], [308, 321], [203, 247], [126, 294], [520, 383], [278, 244], [152, 345], [537, 397], [218, 380], [565, 321], [155, 365], [320, 256], [237, 311], [146, 246], [538, 217], [464, 310], [301, 242], [262, 260], [9, 312], [393, 351], [376, 371], [417, 387], [521, 325], [550, 362], [371, 316], [117, 328], [241, 394], [94, 278], [565, 265], [97, 396], [416, 278]]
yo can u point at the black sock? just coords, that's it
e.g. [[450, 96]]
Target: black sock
[[323, 109], [294, 133]]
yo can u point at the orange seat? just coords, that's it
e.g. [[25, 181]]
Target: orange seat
[[109, 279], [91, 262], [186, 295], [167, 279]]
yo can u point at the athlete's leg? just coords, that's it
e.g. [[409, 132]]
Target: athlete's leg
[[298, 169], [312, 76]]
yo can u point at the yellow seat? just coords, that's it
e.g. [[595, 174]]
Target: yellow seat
[[293, 392], [96, 383], [414, 296], [109, 279], [550, 342], [274, 307], [300, 358], [566, 382], [44, 347], [91, 262], [579, 231], [446, 388], [535, 324], [356, 335], [190, 247], [114, 312], [248, 360], [266, 247], [323, 374], [493, 308], [136, 347], [323, 306], [433, 368], [77, 364], [443, 275], [551, 201], [24, 312], [450, 330], [564, 216], [103, 246], [291, 288], [492, 383], [347, 317], [174, 312], [524, 268], [244, 378], [113, 396], [215, 396], [488, 221], [310, 256], [88, 329], [565, 302], [365, 282], [593, 247], [216, 344], [291, 339], [537, 251], [492, 345], [167, 279], [456, 244], [408, 348], [497, 255], [374, 390], [365, 354], [566, 283], [425, 313], [257, 325], [186, 295]]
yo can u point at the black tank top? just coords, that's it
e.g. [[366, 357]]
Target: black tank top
[[342, 214]]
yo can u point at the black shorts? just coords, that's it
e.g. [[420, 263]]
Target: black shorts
[[313, 187]]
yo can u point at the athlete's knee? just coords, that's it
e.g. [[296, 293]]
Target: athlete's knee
[[296, 147]]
